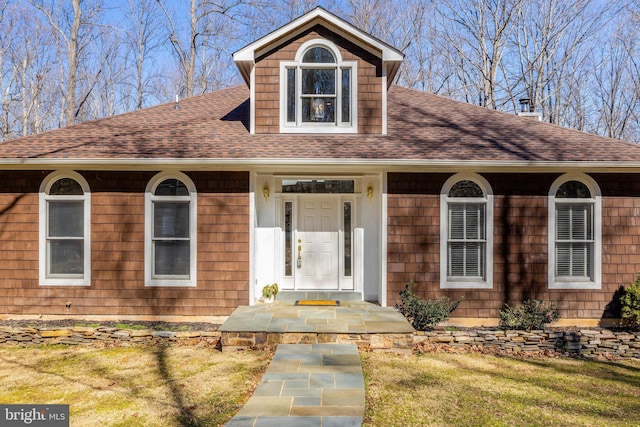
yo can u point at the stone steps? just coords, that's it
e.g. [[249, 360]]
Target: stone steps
[[398, 343], [366, 325]]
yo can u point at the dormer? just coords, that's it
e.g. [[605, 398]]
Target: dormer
[[318, 74]]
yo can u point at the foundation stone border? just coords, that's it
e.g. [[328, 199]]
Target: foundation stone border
[[585, 342]]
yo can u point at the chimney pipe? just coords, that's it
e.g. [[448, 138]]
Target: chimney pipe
[[527, 109]]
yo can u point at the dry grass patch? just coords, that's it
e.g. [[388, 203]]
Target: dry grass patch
[[192, 386], [153, 386], [438, 389]]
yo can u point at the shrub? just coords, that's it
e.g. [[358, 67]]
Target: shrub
[[421, 313], [532, 314], [630, 304]]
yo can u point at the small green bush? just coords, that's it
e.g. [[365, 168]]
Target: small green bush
[[423, 314], [532, 314], [630, 304]]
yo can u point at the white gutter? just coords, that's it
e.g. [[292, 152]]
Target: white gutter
[[399, 164]]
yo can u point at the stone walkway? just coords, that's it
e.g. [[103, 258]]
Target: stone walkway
[[319, 385]]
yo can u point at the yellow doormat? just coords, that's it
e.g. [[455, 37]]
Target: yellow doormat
[[322, 302]]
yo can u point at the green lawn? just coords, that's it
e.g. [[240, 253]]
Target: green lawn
[[181, 386]]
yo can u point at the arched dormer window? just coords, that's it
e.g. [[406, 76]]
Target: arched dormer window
[[466, 232], [65, 230], [318, 91], [575, 233]]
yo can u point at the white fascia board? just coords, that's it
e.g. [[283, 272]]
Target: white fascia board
[[295, 27], [392, 165]]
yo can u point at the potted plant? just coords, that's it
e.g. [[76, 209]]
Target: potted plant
[[269, 292]]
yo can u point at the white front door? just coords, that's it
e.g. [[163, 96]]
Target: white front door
[[317, 243]]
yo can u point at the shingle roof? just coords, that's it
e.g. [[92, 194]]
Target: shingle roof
[[422, 128]]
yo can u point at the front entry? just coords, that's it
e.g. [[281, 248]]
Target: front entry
[[309, 235], [317, 243]]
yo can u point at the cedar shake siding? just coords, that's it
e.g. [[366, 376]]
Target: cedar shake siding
[[231, 148], [520, 259], [117, 249], [267, 78]]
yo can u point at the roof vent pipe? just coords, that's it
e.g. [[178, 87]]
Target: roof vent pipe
[[527, 109], [176, 106]]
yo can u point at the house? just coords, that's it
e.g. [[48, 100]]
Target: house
[[318, 174]]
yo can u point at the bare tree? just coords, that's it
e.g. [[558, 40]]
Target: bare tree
[[616, 94], [8, 73], [69, 61], [142, 39], [102, 79], [428, 65], [33, 56], [73, 27], [264, 17], [210, 29], [478, 32], [553, 41], [374, 16], [634, 65]]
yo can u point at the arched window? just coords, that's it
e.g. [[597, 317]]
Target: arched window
[[318, 90], [170, 237], [466, 236], [574, 233], [65, 229]]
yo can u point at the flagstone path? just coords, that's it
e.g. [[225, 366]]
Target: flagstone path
[[314, 385]]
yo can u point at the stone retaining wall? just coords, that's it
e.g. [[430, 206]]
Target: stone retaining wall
[[587, 342], [106, 335]]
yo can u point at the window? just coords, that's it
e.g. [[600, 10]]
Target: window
[[574, 233], [347, 221], [466, 235], [318, 91], [288, 238], [170, 236], [318, 186], [65, 229]]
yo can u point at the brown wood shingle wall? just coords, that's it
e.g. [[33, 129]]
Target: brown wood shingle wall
[[117, 249], [267, 78], [520, 243], [117, 239]]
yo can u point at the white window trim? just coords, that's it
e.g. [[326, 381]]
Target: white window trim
[[303, 127], [149, 279], [59, 280], [562, 283], [445, 283]]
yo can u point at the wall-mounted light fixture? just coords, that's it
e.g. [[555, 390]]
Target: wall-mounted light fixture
[[265, 192], [370, 192]]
